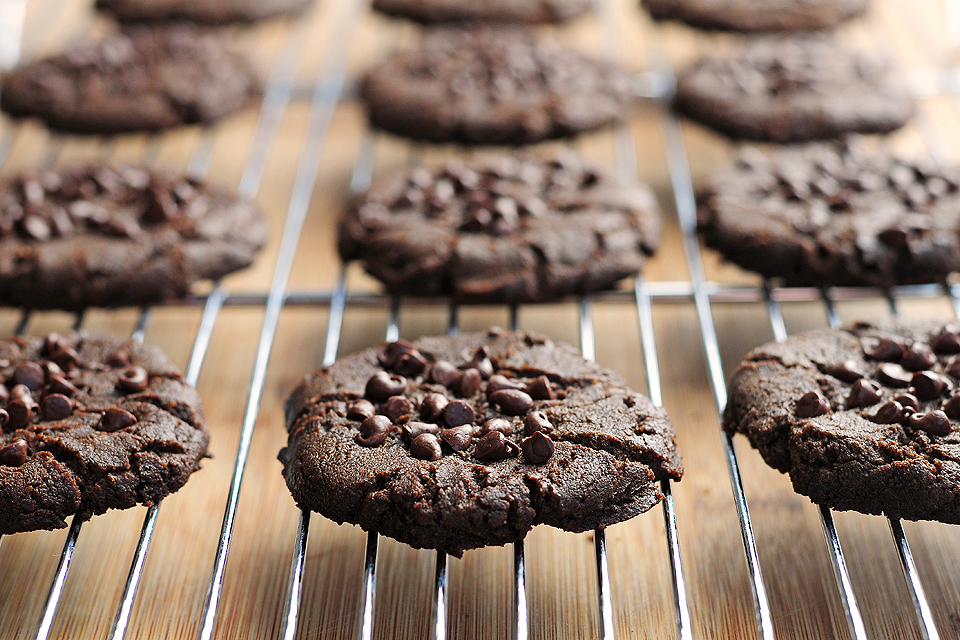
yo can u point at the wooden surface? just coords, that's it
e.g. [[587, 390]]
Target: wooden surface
[[561, 572]]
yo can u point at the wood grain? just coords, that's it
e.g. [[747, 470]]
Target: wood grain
[[561, 571]]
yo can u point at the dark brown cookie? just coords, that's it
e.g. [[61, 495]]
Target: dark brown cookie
[[206, 12], [525, 11], [757, 15], [832, 214], [114, 236], [142, 79], [454, 443], [502, 230], [91, 422], [864, 418], [794, 89], [489, 86]]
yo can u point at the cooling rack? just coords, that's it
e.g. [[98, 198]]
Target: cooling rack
[[289, 568]]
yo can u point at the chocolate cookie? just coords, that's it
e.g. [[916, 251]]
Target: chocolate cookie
[[757, 15], [91, 422], [527, 11], [454, 443], [112, 236], [489, 86], [789, 90], [864, 418], [206, 12], [831, 214], [502, 230], [142, 79]]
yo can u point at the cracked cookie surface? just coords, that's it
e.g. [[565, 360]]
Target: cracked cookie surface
[[454, 443], [751, 16], [483, 85], [91, 422], [834, 214], [863, 418], [498, 229], [99, 235], [140, 79]]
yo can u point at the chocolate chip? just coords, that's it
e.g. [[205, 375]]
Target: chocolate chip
[[442, 372], [457, 438], [14, 454], [947, 342], [512, 401], [497, 424], [374, 431], [536, 421], [133, 379], [56, 407], [118, 359], [498, 382], [482, 363], [389, 352], [458, 413], [886, 350], [4, 418], [67, 358], [933, 422], [918, 359], [54, 342], [889, 413], [413, 429], [849, 371], [811, 405], [539, 388], [397, 408], [115, 418], [29, 374], [360, 410], [908, 401], [432, 406], [426, 447], [21, 413], [470, 382], [954, 369], [893, 375], [4, 394], [538, 448], [410, 364], [50, 369], [493, 446], [926, 385], [952, 408], [863, 394], [382, 385]]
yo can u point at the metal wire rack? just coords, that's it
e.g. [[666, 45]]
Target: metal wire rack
[[327, 93]]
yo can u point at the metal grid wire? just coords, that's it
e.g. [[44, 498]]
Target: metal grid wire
[[327, 92]]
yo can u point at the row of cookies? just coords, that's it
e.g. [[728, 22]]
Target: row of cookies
[[862, 417]]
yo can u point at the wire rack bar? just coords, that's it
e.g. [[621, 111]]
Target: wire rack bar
[[200, 346], [604, 601], [849, 598], [686, 212], [329, 85]]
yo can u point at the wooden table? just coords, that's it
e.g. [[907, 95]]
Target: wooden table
[[259, 348]]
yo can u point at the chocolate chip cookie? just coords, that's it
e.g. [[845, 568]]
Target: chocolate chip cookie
[[863, 418], [112, 236], [91, 422], [490, 86], [501, 230], [794, 89], [453, 443], [526, 11], [833, 214], [757, 15], [206, 12], [141, 79]]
